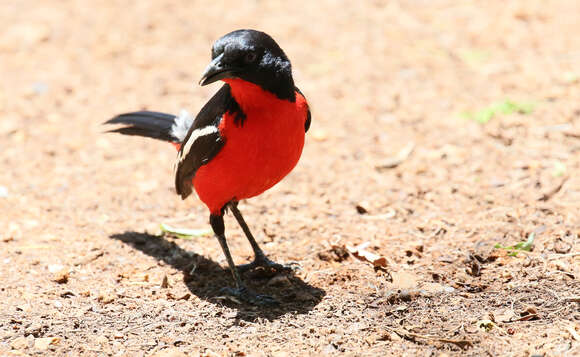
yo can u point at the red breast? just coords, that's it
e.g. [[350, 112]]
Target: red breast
[[258, 153]]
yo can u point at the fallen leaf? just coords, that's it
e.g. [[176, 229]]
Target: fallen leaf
[[360, 253], [184, 232]]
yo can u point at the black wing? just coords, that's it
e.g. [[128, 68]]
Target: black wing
[[203, 141], [308, 115]]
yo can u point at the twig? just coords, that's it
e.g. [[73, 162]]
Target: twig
[[463, 344], [558, 256], [395, 161], [90, 259], [546, 196]]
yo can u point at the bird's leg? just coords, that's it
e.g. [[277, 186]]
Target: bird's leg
[[240, 292], [260, 258]]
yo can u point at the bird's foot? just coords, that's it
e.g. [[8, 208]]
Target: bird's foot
[[264, 267], [244, 295]]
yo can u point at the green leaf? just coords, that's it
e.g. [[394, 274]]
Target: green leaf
[[506, 107], [521, 246], [559, 169], [184, 233]]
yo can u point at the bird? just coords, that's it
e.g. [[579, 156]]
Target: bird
[[243, 141]]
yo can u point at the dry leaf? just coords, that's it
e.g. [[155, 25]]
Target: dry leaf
[[360, 253]]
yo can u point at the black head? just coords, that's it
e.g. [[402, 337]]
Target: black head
[[254, 57]]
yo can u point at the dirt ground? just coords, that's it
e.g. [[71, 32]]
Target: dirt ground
[[440, 129]]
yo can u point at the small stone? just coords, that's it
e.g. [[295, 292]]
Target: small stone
[[55, 268], [165, 282], [279, 280], [61, 277], [19, 343], [106, 298], [35, 329], [361, 209], [329, 349], [43, 343]]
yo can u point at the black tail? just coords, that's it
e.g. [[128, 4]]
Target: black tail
[[145, 123]]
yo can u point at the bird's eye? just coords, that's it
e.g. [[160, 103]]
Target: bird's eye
[[250, 57]]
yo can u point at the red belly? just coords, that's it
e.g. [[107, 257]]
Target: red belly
[[256, 155]]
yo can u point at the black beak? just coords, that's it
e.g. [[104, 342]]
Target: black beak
[[216, 70]]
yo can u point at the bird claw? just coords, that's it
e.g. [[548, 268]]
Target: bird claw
[[244, 295], [264, 267]]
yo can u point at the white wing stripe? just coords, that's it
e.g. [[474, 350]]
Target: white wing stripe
[[181, 125], [197, 133]]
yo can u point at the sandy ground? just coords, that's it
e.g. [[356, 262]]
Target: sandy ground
[[397, 157]]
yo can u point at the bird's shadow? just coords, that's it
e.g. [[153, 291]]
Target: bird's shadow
[[205, 278]]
